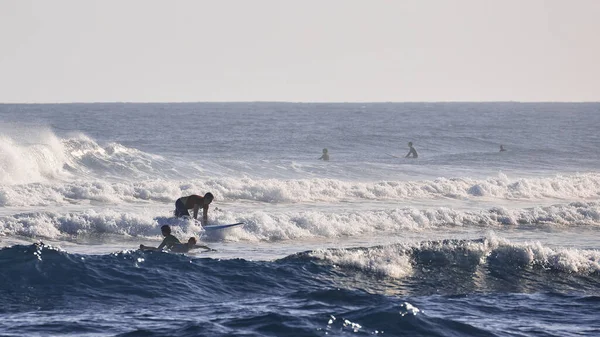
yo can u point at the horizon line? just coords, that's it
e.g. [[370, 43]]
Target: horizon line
[[292, 102]]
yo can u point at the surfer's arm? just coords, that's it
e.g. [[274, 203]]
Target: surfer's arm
[[162, 244], [196, 208], [201, 247], [204, 215], [412, 152]]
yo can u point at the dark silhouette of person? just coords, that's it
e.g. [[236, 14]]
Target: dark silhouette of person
[[168, 242], [412, 153], [325, 155], [186, 247], [502, 149], [175, 246], [194, 202]]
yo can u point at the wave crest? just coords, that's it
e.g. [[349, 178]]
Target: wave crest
[[403, 260]]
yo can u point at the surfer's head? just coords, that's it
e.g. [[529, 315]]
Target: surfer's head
[[166, 230], [324, 150], [192, 241], [410, 144], [208, 198]]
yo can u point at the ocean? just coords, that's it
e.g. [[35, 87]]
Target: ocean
[[464, 240]]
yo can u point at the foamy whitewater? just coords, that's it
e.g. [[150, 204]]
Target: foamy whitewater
[[463, 241]]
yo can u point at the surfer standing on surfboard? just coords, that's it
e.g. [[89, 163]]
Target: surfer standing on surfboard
[[194, 202]]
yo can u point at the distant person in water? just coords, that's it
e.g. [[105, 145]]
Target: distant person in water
[[412, 153], [325, 155], [168, 242], [502, 149], [194, 202]]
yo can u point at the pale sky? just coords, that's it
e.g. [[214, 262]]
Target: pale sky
[[299, 51]]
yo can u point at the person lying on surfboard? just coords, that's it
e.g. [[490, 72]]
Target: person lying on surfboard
[[193, 202], [179, 247], [186, 247], [168, 242]]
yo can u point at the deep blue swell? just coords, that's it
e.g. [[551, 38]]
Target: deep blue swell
[[132, 293]]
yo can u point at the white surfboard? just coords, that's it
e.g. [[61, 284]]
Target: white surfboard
[[215, 227]]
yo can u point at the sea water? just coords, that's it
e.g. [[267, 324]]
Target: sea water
[[465, 240]]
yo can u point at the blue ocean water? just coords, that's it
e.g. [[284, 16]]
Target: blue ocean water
[[463, 241]]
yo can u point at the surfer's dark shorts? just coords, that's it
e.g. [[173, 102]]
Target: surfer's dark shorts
[[180, 209]]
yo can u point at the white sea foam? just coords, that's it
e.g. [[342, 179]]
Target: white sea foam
[[399, 260], [275, 226], [578, 186], [113, 160], [385, 261], [42, 169], [37, 156], [92, 226], [34, 155]]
